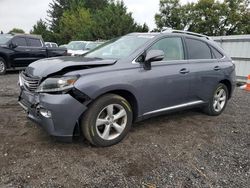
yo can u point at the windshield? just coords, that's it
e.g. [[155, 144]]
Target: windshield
[[5, 38], [120, 47], [76, 45], [92, 45]]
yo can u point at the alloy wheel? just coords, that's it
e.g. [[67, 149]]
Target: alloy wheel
[[111, 121], [220, 98], [2, 66]]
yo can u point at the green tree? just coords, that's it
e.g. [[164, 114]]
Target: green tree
[[58, 7], [87, 20], [41, 28], [16, 30], [209, 17], [114, 21], [76, 24]]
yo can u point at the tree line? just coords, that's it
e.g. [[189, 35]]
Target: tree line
[[86, 20], [209, 17], [105, 19]]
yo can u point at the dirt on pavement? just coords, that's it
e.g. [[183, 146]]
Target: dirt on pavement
[[185, 149]]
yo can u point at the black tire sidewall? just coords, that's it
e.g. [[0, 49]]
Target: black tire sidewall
[[92, 114], [2, 73]]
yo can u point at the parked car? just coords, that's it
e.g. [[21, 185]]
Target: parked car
[[91, 45], [51, 45], [19, 50], [63, 46], [128, 79], [76, 48]]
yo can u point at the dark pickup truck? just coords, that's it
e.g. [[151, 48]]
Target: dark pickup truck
[[19, 50]]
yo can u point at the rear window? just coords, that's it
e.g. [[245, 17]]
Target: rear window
[[19, 41], [216, 53], [35, 42], [198, 49], [53, 45]]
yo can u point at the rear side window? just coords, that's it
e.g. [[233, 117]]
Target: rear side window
[[54, 45], [172, 48], [216, 53], [198, 49], [19, 41], [35, 42]]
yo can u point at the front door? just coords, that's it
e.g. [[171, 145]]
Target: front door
[[21, 53], [166, 85]]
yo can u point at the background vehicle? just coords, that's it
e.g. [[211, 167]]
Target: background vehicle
[[19, 50], [91, 45], [128, 79], [76, 48], [63, 46], [51, 45]]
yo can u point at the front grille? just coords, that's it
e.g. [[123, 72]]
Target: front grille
[[30, 83]]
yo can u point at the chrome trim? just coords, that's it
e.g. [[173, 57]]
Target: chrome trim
[[175, 107], [30, 83], [23, 106]]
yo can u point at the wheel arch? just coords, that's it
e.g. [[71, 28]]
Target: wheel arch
[[129, 96], [5, 59], [228, 84]]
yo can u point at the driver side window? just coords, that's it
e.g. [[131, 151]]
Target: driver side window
[[19, 41], [172, 48]]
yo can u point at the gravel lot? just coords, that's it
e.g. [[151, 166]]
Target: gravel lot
[[186, 149]]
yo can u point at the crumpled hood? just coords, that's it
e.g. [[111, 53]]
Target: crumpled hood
[[45, 67]]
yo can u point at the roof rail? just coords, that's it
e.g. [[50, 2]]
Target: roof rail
[[169, 30]]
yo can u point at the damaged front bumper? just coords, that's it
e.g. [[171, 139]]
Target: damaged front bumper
[[58, 114]]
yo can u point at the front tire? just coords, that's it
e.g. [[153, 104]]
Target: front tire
[[218, 101], [3, 66], [107, 121]]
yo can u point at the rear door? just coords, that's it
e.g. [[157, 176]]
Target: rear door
[[37, 49], [166, 85], [20, 56], [205, 70]]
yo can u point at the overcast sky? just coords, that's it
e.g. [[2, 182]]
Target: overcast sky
[[25, 13]]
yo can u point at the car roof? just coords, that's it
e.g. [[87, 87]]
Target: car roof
[[26, 35], [175, 33]]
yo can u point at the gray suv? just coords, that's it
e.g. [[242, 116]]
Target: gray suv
[[127, 79]]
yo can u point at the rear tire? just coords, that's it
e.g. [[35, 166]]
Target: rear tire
[[3, 66], [218, 101], [107, 121]]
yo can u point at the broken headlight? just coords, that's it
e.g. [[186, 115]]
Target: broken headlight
[[57, 84]]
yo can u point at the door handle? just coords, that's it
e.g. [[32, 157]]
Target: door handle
[[27, 50], [184, 71], [217, 68]]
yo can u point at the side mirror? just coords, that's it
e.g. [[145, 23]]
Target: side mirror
[[13, 45], [152, 55]]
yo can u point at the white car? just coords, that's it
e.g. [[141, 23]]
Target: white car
[[51, 45], [92, 45], [76, 48]]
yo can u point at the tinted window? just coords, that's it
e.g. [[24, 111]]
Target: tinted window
[[216, 53], [35, 42], [172, 48], [54, 45], [5, 38], [198, 49], [19, 41]]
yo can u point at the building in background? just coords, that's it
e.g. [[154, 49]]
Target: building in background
[[238, 48]]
